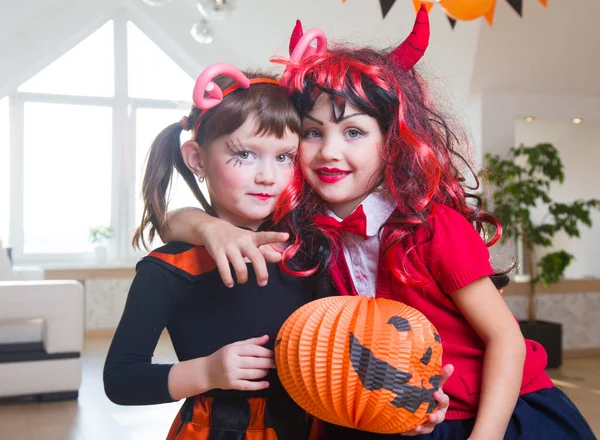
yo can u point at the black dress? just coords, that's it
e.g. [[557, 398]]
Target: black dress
[[178, 287]]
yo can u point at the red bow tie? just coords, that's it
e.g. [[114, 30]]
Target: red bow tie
[[355, 223]]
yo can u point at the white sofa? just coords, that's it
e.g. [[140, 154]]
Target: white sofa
[[41, 336], [50, 368]]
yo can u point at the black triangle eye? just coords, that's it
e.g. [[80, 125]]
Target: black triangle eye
[[401, 324], [427, 356]]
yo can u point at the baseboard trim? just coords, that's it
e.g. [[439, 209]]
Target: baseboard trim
[[108, 333], [100, 333], [576, 353]]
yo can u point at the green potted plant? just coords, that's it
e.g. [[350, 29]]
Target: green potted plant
[[99, 237], [518, 184]]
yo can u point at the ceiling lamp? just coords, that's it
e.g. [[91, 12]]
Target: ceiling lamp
[[202, 32], [216, 9]]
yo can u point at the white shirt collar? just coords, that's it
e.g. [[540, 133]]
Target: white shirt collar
[[378, 206]]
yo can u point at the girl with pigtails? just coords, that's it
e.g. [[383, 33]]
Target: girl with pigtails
[[380, 199], [244, 140]]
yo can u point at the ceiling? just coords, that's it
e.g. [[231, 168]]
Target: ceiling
[[548, 50]]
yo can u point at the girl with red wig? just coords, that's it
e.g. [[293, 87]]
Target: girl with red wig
[[381, 199]]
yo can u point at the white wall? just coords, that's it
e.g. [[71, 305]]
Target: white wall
[[499, 113], [548, 50], [579, 147]]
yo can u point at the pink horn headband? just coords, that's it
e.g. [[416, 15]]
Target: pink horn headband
[[302, 46], [205, 85], [406, 55]]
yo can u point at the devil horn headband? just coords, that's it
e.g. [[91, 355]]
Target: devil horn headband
[[205, 85], [406, 55]]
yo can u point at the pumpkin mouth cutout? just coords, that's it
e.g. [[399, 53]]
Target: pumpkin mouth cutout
[[390, 378], [371, 364]]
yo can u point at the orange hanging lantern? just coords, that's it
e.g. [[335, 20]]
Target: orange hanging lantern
[[465, 10], [369, 364]]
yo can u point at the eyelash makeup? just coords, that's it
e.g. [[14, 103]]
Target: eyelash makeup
[[236, 149]]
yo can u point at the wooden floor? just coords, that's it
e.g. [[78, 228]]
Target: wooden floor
[[94, 417]]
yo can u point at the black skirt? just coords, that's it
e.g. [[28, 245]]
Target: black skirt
[[546, 414]]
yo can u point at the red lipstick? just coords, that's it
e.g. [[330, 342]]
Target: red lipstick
[[331, 175], [261, 196]]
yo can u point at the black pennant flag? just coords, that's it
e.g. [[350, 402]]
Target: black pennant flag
[[452, 21], [386, 5], [517, 5]]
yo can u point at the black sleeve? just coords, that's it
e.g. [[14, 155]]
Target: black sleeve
[[130, 377]]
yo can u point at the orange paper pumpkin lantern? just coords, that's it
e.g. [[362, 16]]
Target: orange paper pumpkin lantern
[[370, 364], [465, 10]]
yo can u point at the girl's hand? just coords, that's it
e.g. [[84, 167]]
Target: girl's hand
[[229, 244], [443, 403], [237, 366], [225, 243]]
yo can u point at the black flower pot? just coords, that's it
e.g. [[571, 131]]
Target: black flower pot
[[549, 334]]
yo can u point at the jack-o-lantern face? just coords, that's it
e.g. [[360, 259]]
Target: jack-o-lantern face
[[370, 364]]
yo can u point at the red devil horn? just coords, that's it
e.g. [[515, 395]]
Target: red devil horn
[[296, 35], [413, 48]]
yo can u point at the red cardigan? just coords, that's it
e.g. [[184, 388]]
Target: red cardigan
[[454, 257]]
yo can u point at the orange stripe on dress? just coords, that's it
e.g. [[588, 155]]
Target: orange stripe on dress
[[256, 426], [317, 430], [195, 261], [199, 428], [174, 427]]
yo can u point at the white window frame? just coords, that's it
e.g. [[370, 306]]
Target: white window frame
[[123, 181]]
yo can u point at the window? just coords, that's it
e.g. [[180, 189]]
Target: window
[[149, 67], [4, 171], [149, 123], [152, 74], [88, 69], [67, 179], [75, 123]]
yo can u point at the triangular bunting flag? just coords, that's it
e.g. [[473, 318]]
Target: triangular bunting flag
[[386, 5], [517, 5], [544, 2], [452, 21], [489, 15], [417, 5]]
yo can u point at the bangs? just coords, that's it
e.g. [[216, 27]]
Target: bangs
[[361, 80], [270, 104], [274, 112]]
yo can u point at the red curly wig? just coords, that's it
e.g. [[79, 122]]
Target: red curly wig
[[422, 165]]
